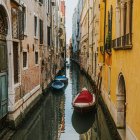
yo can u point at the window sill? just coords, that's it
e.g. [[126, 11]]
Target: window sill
[[15, 40], [41, 44], [36, 65], [17, 85], [25, 68], [36, 38], [25, 34], [126, 47]]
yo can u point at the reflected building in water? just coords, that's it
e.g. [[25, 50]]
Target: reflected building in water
[[53, 117], [75, 79], [88, 135], [47, 122], [57, 116]]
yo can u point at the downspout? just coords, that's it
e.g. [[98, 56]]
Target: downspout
[[51, 45], [65, 34], [88, 39], [104, 30]]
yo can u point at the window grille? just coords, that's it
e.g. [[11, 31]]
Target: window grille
[[35, 25], [36, 57], [41, 31], [16, 62], [24, 59], [49, 35]]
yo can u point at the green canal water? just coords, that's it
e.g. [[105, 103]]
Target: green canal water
[[55, 119]]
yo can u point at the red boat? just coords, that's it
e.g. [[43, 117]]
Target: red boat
[[84, 101]]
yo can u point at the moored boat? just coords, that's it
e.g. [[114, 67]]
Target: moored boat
[[84, 101], [57, 85], [62, 78]]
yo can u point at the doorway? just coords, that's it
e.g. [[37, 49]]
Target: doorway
[[121, 103], [3, 64]]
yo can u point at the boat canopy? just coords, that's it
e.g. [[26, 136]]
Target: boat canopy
[[84, 97]]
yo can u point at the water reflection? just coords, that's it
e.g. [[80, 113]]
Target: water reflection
[[53, 118], [82, 122]]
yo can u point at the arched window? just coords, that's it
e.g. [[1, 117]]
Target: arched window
[[3, 23]]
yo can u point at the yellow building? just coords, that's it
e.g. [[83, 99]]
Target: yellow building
[[118, 57]]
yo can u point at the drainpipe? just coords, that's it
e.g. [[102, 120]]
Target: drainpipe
[[88, 38], [104, 29], [65, 33]]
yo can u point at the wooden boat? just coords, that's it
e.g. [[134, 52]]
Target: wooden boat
[[57, 85], [84, 101], [62, 78]]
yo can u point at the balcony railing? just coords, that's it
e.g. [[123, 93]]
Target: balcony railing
[[123, 42]]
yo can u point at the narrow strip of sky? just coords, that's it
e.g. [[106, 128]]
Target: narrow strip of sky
[[70, 6]]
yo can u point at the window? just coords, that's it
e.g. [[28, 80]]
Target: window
[[35, 26], [14, 15], [18, 23], [16, 62], [41, 1], [49, 35], [109, 34], [124, 22], [25, 19], [3, 56], [41, 31], [24, 59], [48, 6], [36, 57]]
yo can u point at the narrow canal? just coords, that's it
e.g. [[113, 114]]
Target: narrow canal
[[54, 118]]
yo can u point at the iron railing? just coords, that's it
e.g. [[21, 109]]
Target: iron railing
[[122, 42]]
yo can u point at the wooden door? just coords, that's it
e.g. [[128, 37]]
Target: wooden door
[[3, 80]]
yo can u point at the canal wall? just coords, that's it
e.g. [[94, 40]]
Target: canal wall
[[25, 104], [101, 100], [22, 107]]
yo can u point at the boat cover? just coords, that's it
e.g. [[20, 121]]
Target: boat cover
[[84, 97], [62, 76]]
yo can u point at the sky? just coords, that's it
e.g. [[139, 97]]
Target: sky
[[70, 6]]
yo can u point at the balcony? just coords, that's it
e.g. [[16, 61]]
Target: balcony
[[123, 42]]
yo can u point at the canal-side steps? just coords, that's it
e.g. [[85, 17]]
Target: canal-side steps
[[109, 120]]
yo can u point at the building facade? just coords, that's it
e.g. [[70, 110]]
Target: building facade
[[84, 41], [76, 31], [29, 53], [109, 51], [117, 52]]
